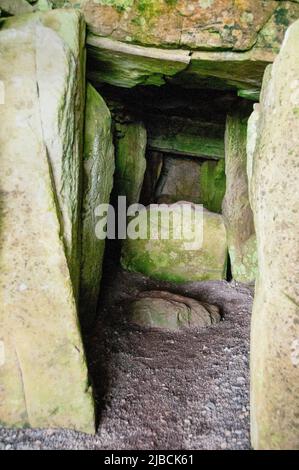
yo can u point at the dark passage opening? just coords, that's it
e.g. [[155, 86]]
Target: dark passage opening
[[156, 384]]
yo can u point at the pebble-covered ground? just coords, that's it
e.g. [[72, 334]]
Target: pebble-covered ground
[[160, 390]]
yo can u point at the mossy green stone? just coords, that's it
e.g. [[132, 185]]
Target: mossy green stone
[[237, 211], [127, 65], [62, 113], [227, 44], [173, 260], [212, 183], [167, 311], [173, 23], [190, 137], [97, 185], [130, 160]]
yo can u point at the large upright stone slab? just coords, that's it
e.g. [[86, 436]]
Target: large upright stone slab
[[97, 186], [212, 183], [43, 375], [275, 201], [130, 160], [237, 212], [206, 24]]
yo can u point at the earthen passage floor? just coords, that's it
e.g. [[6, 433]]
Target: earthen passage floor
[[163, 390]]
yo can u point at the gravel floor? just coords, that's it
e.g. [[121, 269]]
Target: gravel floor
[[160, 390]]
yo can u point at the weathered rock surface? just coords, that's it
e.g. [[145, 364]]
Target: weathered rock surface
[[186, 136], [274, 196], [212, 182], [164, 257], [226, 70], [130, 160], [98, 181], [272, 34], [185, 179], [158, 309], [15, 7], [226, 44], [179, 181], [61, 114], [237, 212], [43, 5], [151, 177], [207, 24], [43, 374], [128, 65]]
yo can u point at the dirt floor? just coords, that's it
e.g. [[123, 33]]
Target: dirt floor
[[160, 390]]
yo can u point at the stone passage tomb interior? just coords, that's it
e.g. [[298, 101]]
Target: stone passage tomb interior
[[115, 333]]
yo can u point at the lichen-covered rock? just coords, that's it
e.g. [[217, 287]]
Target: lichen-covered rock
[[97, 186], [212, 183], [272, 34], [164, 257], [43, 374], [61, 113], [159, 309], [180, 23], [130, 160], [183, 179], [179, 181], [237, 212], [274, 196], [190, 137], [226, 43]]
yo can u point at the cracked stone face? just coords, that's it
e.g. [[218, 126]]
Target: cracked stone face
[[223, 44]]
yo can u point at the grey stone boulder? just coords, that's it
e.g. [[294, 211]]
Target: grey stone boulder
[[159, 309], [274, 141]]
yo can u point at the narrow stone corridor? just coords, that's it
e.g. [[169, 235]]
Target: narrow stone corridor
[[149, 229]]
